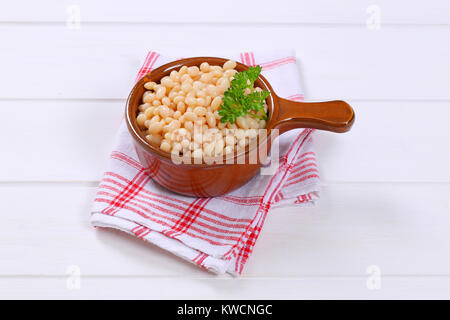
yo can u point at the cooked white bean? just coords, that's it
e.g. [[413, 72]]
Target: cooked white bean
[[149, 85], [206, 78], [155, 118], [191, 101], [204, 67], [167, 82], [215, 104], [200, 111], [150, 112], [161, 92], [180, 113], [163, 111], [165, 146], [155, 127], [210, 119], [200, 102], [242, 122], [141, 118], [229, 73], [211, 90], [193, 71], [154, 139], [165, 101], [191, 116], [218, 148], [179, 98], [186, 78], [230, 64], [177, 115], [186, 86], [174, 124], [189, 125], [168, 120], [144, 107], [148, 97], [175, 76]]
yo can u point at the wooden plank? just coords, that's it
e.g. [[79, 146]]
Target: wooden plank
[[56, 140], [71, 140], [401, 228], [195, 11], [217, 288], [101, 61]]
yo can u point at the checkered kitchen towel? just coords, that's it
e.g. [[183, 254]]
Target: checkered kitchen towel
[[217, 234]]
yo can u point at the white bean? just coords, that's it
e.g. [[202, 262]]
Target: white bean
[[230, 64], [165, 146], [161, 92], [155, 127]]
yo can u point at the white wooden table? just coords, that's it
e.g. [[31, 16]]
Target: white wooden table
[[382, 228]]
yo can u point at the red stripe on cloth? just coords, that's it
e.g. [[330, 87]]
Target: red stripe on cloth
[[311, 176], [303, 198], [137, 227], [164, 212], [162, 222], [198, 256], [188, 223], [277, 63], [130, 191], [246, 58], [190, 215], [300, 172], [297, 168], [245, 201], [152, 201], [171, 222], [207, 211], [202, 258], [150, 56], [296, 97], [248, 247], [148, 66], [123, 157], [123, 194], [286, 171], [188, 210]]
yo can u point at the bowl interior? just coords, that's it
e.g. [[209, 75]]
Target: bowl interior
[[135, 97]]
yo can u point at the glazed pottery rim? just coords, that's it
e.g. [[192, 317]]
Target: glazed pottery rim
[[165, 70]]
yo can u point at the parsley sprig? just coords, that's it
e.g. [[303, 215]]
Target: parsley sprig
[[237, 104]]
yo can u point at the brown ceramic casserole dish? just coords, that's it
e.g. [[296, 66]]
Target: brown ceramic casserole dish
[[208, 180]]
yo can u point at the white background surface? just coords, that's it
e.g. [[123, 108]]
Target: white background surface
[[386, 184]]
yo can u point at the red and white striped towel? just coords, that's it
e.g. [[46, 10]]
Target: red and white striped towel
[[219, 233]]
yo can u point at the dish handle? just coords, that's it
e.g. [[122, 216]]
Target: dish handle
[[335, 116]]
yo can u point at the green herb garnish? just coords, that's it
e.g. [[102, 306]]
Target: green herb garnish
[[236, 104]]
